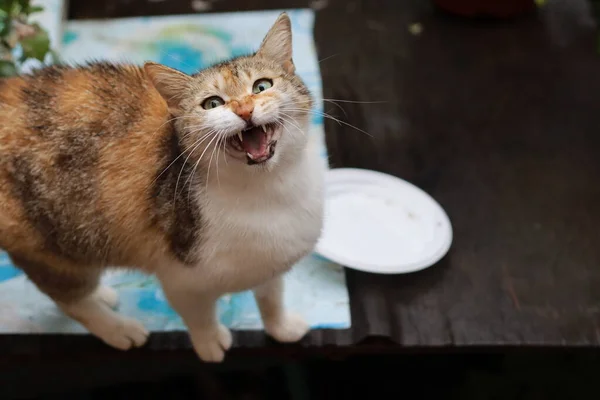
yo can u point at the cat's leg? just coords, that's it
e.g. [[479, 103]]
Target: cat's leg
[[77, 292], [197, 308], [107, 295], [282, 325]]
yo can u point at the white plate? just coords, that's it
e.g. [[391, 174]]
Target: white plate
[[378, 223]]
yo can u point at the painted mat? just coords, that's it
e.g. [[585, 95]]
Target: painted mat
[[316, 287]]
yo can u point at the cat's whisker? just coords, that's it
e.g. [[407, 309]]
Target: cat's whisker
[[289, 120], [218, 155], [191, 130], [210, 161], [336, 101], [328, 113], [292, 119], [217, 151], [196, 145], [328, 57], [313, 111], [353, 101], [338, 106], [202, 138], [281, 122], [325, 115], [225, 150], [170, 165], [190, 178]]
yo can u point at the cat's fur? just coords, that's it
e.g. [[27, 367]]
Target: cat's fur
[[102, 165]]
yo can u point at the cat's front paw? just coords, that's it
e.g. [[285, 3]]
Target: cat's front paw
[[121, 332], [288, 328], [211, 344]]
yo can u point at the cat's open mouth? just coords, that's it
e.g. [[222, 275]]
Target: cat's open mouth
[[257, 142]]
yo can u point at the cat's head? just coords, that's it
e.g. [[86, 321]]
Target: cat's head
[[252, 109]]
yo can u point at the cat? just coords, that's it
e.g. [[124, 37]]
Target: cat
[[207, 181]]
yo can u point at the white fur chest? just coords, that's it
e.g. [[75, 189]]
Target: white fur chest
[[259, 228]]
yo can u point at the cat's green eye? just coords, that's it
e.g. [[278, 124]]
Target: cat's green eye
[[261, 85], [212, 102]]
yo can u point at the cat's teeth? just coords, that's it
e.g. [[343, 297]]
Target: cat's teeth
[[240, 136], [264, 129], [250, 155]]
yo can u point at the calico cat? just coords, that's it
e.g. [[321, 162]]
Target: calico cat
[[207, 181]]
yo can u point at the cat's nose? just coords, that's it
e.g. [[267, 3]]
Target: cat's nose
[[244, 110]]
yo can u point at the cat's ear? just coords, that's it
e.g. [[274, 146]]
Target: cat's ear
[[277, 45], [170, 83]]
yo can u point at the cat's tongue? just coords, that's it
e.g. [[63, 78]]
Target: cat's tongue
[[255, 143]]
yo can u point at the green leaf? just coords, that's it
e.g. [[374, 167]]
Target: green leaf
[[6, 5], [15, 8], [36, 46], [23, 6], [5, 23], [7, 68], [35, 9]]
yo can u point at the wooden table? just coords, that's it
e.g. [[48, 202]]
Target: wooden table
[[497, 120]]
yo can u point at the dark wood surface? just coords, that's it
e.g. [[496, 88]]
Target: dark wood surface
[[497, 120]]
